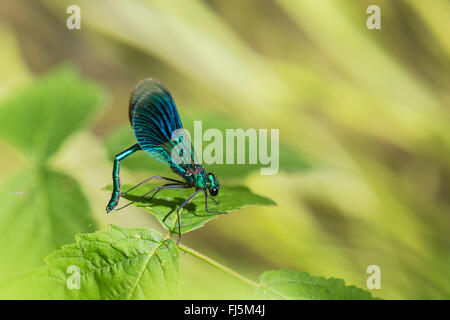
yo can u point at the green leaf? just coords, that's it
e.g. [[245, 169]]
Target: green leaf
[[194, 215], [122, 138], [40, 211], [118, 263], [39, 118], [286, 284]]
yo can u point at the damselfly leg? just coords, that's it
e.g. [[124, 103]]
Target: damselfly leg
[[206, 205], [149, 179], [157, 189], [178, 213]]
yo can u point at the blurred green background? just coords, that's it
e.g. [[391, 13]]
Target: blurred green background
[[363, 118]]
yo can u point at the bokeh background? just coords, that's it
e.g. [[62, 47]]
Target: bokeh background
[[363, 118]]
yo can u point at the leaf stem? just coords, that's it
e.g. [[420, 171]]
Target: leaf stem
[[218, 265]]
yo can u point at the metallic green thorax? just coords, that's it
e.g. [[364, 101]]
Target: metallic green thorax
[[195, 177]]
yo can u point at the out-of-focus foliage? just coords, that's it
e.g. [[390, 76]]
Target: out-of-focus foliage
[[37, 120], [194, 215], [41, 208], [118, 263], [370, 106]]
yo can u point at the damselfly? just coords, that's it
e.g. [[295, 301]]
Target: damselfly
[[158, 131]]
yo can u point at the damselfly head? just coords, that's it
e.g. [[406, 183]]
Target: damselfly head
[[212, 184]]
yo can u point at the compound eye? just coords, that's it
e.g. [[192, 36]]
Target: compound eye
[[214, 191]]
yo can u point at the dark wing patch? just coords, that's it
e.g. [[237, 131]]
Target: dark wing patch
[[154, 117]]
